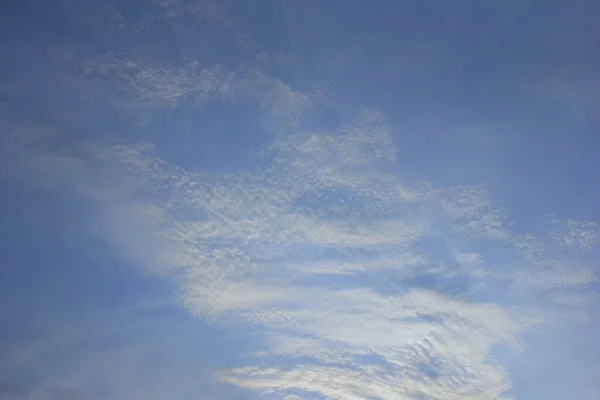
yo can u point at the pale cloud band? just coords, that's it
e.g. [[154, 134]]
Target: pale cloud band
[[250, 248], [364, 285]]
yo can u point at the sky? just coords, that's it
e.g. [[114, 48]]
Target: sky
[[299, 200]]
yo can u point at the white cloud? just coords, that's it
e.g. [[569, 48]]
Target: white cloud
[[581, 234], [286, 248], [246, 248], [136, 85]]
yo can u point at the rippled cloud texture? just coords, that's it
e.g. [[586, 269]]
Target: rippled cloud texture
[[288, 187]]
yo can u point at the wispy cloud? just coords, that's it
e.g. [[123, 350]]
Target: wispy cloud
[[362, 284], [581, 234], [254, 248], [138, 85]]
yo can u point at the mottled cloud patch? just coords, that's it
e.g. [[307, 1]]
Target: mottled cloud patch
[[579, 234], [363, 285], [136, 85]]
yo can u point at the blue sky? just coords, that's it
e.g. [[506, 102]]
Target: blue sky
[[299, 200]]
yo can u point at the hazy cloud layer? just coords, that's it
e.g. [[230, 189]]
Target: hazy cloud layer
[[365, 286], [362, 282]]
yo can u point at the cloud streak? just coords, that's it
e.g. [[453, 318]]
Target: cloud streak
[[362, 284], [365, 286]]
